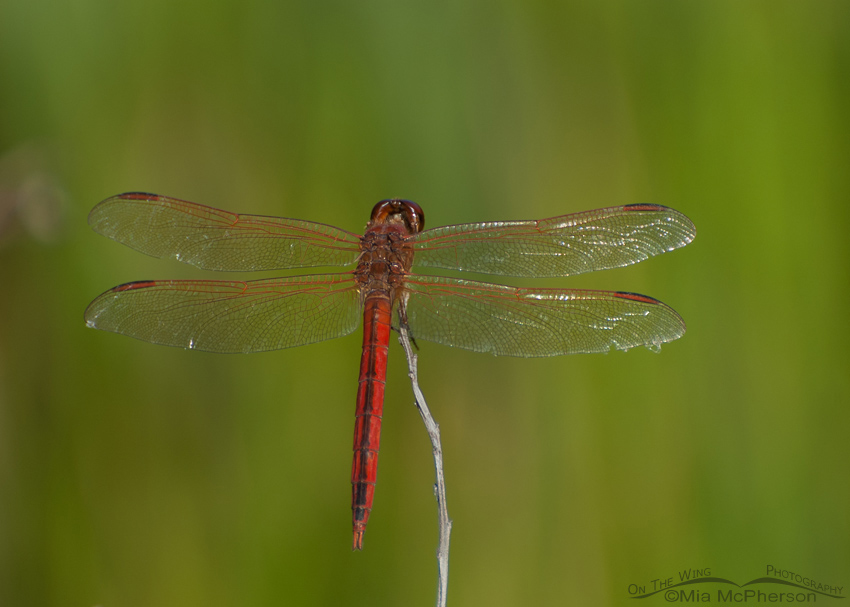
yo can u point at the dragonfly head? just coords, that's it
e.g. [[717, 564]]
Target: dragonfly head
[[398, 211]]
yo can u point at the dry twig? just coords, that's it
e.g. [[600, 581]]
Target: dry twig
[[440, 487]]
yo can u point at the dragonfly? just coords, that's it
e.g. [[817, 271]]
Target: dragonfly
[[271, 314]]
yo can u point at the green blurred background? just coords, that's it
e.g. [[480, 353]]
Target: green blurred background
[[138, 475]]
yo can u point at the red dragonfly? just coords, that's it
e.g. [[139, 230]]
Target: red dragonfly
[[260, 315]]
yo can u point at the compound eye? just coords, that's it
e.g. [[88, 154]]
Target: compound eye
[[411, 212], [414, 215], [382, 210]]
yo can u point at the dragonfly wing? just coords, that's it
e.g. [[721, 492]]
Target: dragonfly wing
[[507, 321], [225, 316], [218, 240], [560, 246]]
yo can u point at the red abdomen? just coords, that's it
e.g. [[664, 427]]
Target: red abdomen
[[377, 315]]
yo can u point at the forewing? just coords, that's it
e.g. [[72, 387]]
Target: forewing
[[218, 240], [507, 321], [225, 316], [560, 246]]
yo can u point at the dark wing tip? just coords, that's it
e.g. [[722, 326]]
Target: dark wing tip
[[637, 297], [94, 308], [99, 215], [689, 229], [136, 196], [646, 299], [646, 207], [129, 286]]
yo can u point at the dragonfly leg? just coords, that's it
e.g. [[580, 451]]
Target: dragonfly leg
[[402, 319]]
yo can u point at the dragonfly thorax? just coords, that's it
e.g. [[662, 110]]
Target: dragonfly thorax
[[385, 259]]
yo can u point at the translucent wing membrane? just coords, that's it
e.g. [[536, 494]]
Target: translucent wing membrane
[[224, 316], [218, 240], [507, 321], [560, 246]]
